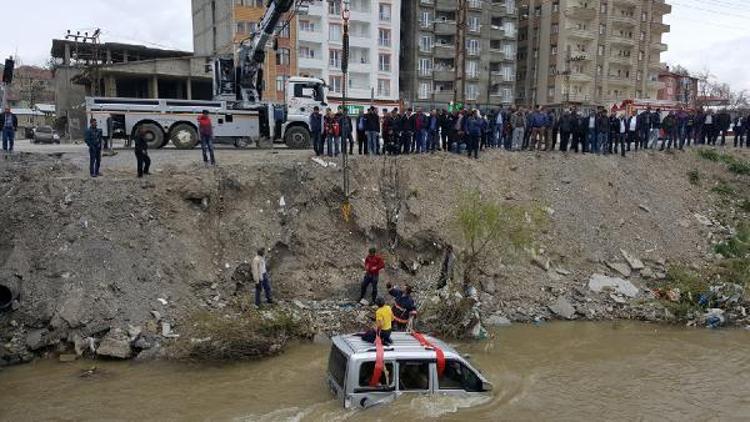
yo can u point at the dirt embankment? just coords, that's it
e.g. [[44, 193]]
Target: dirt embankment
[[122, 264]]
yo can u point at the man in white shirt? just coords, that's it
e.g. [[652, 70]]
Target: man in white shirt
[[260, 275]]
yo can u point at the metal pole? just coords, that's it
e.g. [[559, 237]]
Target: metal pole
[[346, 208]]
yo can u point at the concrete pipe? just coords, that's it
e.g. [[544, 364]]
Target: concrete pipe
[[8, 293]]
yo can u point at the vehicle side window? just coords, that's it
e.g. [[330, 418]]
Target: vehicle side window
[[387, 378], [413, 375], [337, 365], [458, 377]]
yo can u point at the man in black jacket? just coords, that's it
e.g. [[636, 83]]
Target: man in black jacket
[[143, 162], [724, 120], [372, 127], [9, 125], [566, 127]]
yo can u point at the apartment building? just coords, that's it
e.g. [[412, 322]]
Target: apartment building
[[592, 52], [458, 51], [219, 26], [374, 42]]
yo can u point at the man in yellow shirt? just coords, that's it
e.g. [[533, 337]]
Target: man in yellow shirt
[[383, 320]]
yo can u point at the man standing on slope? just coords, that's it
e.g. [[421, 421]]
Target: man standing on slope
[[205, 127], [260, 275], [373, 264], [93, 139]]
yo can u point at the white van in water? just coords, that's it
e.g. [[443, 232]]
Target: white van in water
[[409, 366]]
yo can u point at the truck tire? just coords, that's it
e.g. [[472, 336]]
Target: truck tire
[[154, 135], [183, 136], [297, 137]]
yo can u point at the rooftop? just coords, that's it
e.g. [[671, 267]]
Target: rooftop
[[88, 49], [402, 343]]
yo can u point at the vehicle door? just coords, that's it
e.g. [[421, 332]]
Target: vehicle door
[[365, 395], [416, 376]]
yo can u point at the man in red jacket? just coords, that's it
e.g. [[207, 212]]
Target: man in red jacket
[[373, 264], [205, 127]]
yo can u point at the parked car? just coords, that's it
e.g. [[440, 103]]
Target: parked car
[[28, 132], [412, 364], [45, 134]]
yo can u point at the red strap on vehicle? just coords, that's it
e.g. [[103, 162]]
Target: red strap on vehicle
[[379, 357], [438, 352]]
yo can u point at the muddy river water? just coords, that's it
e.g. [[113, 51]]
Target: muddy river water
[[565, 371]]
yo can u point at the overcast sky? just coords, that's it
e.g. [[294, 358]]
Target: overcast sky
[[712, 34]]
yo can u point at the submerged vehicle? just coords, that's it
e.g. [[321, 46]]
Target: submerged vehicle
[[362, 374]]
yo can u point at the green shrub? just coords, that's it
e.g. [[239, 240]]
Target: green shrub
[[694, 177], [709, 154], [723, 189], [740, 167]]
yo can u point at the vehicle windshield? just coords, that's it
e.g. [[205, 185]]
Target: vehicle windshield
[[44, 129]]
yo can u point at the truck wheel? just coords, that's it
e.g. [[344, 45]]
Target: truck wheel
[[183, 136], [297, 137], [154, 135], [241, 143]]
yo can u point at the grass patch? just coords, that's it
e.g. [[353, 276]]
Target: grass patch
[[691, 285], [724, 188], [709, 154], [739, 167], [216, 337], [694, 177], [738, 246]]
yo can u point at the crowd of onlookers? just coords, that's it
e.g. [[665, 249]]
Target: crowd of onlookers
[[518, 128]]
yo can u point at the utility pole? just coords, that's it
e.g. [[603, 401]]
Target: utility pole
[[459, 92], [346, 208], [92, 39]]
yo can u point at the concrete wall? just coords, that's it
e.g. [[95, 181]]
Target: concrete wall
[[69, 99], [213, 26]]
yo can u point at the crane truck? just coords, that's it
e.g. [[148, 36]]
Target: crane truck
[[239, 114]]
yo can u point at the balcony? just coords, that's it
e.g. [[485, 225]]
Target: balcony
[[581, 77], [427, 2], [580, 12], [655, 84], [310, 62], [444, 74], [624, 60], [661, 6], [628, 2], [425, 73], [496, 97], [619, 40], [660, 46], [584, 34], [444, 51], [619, 81], [659, 27], [445, 27], [501, 78], [624, 20]]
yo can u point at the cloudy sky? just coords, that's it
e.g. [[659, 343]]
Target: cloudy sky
[[713, 34]]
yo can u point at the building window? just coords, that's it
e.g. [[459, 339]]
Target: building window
[[384, 12], [307, 26], [601, 50], [334, 83], [334, 8], [472, 46], [334, 32], [472, 68], [281, 83], [599, 69], [282, 57], [334, 59], [555, 7], [425, 66], [384, 62], [472, 92], [551, 91], [425, 43], [555, 28], [384, 37], [474, 23], [306, 52], [384, 87], [603, 8], [424, 90], [283, 30], [643, 36], [641, 55], [553, 50]]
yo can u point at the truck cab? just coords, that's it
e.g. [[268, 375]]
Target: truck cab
[[302, 95], [409, 368]]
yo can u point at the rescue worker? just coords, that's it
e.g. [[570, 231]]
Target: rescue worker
[[143, 162], [404, 309], [260, 275], [373, 264], [383, 321]]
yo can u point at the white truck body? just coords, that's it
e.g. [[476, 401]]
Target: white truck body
[[169, 120]]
